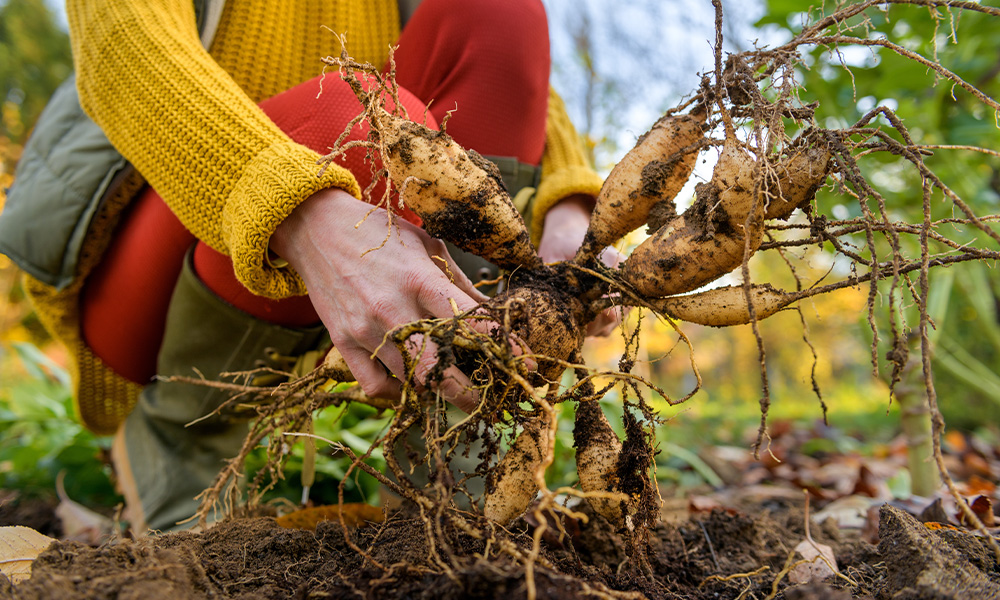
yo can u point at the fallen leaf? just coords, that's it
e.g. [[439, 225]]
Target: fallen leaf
[[982, 507], [956, 441], [79, 523], [819, 560], [674, 510], [821, 565], [869, 532], [849, 512], [356, 514], [557, 526], [868, 484], [976, 485], [934, 513], [19, 546], [935, 526], [756, 494], [702, 504], [976, 464]]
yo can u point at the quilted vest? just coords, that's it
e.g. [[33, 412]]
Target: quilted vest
[[67, 169]]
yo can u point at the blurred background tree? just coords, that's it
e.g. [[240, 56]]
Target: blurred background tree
[[850, 81], [38, 436], [619, 65], [34, 60]]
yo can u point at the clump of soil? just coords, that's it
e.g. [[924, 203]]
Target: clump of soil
[[38, 513], [947, 564], [719, 554]]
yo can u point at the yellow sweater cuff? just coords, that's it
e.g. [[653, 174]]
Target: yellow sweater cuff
[[557, 186], [275, 182]]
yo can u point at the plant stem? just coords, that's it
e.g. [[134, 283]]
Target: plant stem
[[915, 420]]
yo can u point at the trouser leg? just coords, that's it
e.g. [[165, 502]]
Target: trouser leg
[[170, 459], [488, 63]]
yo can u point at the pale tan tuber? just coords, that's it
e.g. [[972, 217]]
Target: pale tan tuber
[[512, 485], [708, 240], [646, 180], [724, 306], [799, 176], [458, 193]]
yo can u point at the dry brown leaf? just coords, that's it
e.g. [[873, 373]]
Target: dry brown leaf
[[80, 524], [19, 546], [821, 563], [976, 485], [983, 509], [956, 441], [850, 512], [355, 515]]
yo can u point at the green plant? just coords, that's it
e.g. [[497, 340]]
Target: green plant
[[39, 437], [354, 426]]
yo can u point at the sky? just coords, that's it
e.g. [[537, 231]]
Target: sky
[[59, 8], [653, 50]]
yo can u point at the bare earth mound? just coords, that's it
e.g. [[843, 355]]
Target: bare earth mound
[[696, 559]]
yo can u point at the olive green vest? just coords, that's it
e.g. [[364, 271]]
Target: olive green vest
[[67, 168]]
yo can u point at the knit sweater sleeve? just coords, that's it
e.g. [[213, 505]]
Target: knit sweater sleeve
[[565, 170], [227, 172]]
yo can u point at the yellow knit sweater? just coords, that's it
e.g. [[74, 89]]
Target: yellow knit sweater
[[187, 119], [189, 122]]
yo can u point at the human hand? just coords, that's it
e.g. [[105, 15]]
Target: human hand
[[360, 298], [562, 234]]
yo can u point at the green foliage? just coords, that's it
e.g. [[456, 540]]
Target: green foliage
[[39, 437], [354, 426], [849, 81]]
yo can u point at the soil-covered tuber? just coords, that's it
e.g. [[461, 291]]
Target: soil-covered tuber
[[597, 452], [458, 193], [799, 176], [646, 180], [512, 486], [708, 240]]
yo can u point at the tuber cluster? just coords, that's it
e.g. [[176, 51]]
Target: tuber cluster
[[461, 198]]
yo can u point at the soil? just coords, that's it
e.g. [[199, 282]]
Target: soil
[[37, 513], [710, 554]]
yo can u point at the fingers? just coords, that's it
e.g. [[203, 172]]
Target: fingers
[[457, 389], [605, 323], [610, 318], [453, 385], [423, 293], [361, 295], [564, 228], [517, 345], [434, 297], [373, 378], [611, 257]]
